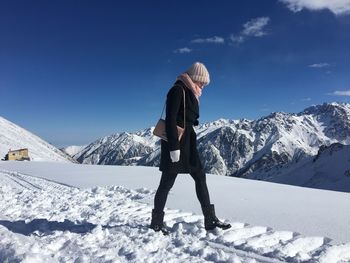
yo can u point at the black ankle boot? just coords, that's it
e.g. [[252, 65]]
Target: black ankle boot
[[157, 222], [210, 219]]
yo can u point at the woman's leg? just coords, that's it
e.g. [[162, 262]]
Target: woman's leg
[[201, 187], [166, 183], [210, 219]]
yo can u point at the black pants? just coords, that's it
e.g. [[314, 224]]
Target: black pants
[[167, 181]]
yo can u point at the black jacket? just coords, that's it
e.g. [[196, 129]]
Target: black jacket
[[189, 157]]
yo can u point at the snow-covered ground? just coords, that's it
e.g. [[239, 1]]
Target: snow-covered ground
[[57, 212]]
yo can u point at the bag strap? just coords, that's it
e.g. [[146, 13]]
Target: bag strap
[[184, 108]]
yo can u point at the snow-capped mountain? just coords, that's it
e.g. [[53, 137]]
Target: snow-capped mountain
[[122, 149], [262, 146], [14, 137], [254, 148], [73, 149]]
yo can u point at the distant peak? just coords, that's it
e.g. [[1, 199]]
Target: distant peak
[[326, 107], [222, 120]]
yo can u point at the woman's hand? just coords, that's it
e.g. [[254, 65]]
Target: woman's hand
[[175, 156]]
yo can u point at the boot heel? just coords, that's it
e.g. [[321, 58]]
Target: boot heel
[[157, 223], [210, 219]]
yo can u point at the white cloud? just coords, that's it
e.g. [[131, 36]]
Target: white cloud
[[183, 50], [253, 28], [237, 39], [214, 40], [338, 7], [319, 65], [341, 93]]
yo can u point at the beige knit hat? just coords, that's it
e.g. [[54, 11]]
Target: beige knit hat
[[198, 72]]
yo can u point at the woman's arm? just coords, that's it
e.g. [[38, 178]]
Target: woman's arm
[[174, 98]]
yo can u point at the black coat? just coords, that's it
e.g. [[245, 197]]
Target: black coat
[[189, 157]]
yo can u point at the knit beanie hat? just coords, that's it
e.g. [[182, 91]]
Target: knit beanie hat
[[198, 72]]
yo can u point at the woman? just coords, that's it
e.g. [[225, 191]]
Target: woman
[[182, 156]]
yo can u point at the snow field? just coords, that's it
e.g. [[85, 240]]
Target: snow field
[[45, 221]]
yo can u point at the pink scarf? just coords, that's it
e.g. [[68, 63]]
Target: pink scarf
[[185, 78]]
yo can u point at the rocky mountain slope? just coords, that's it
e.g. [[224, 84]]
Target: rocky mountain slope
[[329, 169]]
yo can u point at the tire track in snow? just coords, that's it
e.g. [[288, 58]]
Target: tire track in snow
[[17, 178], [30, 182], [257, 257], [13, 180]]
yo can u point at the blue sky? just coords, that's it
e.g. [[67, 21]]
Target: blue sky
[[74, 71]]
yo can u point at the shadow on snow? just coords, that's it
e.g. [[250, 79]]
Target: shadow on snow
[[41, 227], [44, 226]]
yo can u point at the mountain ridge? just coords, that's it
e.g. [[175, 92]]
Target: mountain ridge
[[243, 148]]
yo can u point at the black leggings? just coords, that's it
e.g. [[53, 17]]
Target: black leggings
[[167, 181]]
